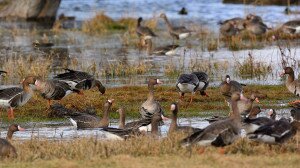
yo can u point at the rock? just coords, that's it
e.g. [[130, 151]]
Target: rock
[[39, 10]]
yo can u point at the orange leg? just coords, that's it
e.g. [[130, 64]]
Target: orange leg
[[192, 96], [49, 103], [10, 113]]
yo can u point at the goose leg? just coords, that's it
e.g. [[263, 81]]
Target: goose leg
[[10, 113], [192, 96], [49, 103]]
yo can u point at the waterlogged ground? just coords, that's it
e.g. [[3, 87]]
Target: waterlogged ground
[[63, 130]]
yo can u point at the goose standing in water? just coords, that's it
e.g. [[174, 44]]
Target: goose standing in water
[[6, 148], [13, 97], [54, 89], [176, 32], [144, 32], [220, 133], [83, 121], [164, 50], [174, 126], [292, 84], [150, 106], [80, 80], [277, 132], [190, 83]]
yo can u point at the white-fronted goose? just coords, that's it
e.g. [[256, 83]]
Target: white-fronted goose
[[143, 31], [83, 121], [245, 106], [176, 32], [174, 126], [277, 132], [80, 80], [220, 133], [187, 83], [292, 84], [229, 86], [291, 27], [6, 148], [54, 89], [163, 50], [150, 106], [252, 124], [15, 96]]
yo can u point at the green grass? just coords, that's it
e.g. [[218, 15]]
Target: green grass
[[131, 97]]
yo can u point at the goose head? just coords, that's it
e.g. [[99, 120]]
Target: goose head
[[272, 114], [174, 109], [154, 82], [227, 79], [254, 111], [287, 70]]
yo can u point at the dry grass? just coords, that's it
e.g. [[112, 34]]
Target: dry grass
[[144, 151]]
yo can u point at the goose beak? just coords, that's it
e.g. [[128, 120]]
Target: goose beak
[[242, 97], [257, 100], [21, 129], [282, 73], [159, 81], [164, 118], [111, 100]]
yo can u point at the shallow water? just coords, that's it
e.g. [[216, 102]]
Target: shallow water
[[65, 131]]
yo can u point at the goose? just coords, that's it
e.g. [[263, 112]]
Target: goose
[[229, 28], [183, 11], [59, 111], [190, 83], [250, 125], [176, 32], [13, 97], [276, 132], [83, 121], [295, 113], [220, 133], [229, 86], [144, 32], [245, 106], [80, 80], [38, 44], [122, 134], [6, 148], [187, 83], [256, 28], [292, 84], [291, 27], [54, 89], [254, 18], [150, 106], [174, 126], [252, 114], [168, 50], [288, 11]]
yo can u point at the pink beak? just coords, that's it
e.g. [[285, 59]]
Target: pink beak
[[242, 97], [282, 73], [256, 99], [21, 129]]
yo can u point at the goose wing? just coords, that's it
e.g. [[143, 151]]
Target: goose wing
[[8, 93], [72, 75], [145, 31]]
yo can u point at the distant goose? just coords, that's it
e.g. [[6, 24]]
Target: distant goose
[[38, 44], [276, 132], [83, 121], [80, 80], [190, 83], [229, 28], [288, 11], [54, 89], [229, 86], [220, 133], [292, 27], [176, 32], [252, 124], [292, 84], [144, 32], [13, 97], [183, 11], [6, 148], [174, 126], [151, 106], [164, 50]]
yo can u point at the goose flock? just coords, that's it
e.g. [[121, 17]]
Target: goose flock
[[222, 130]]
